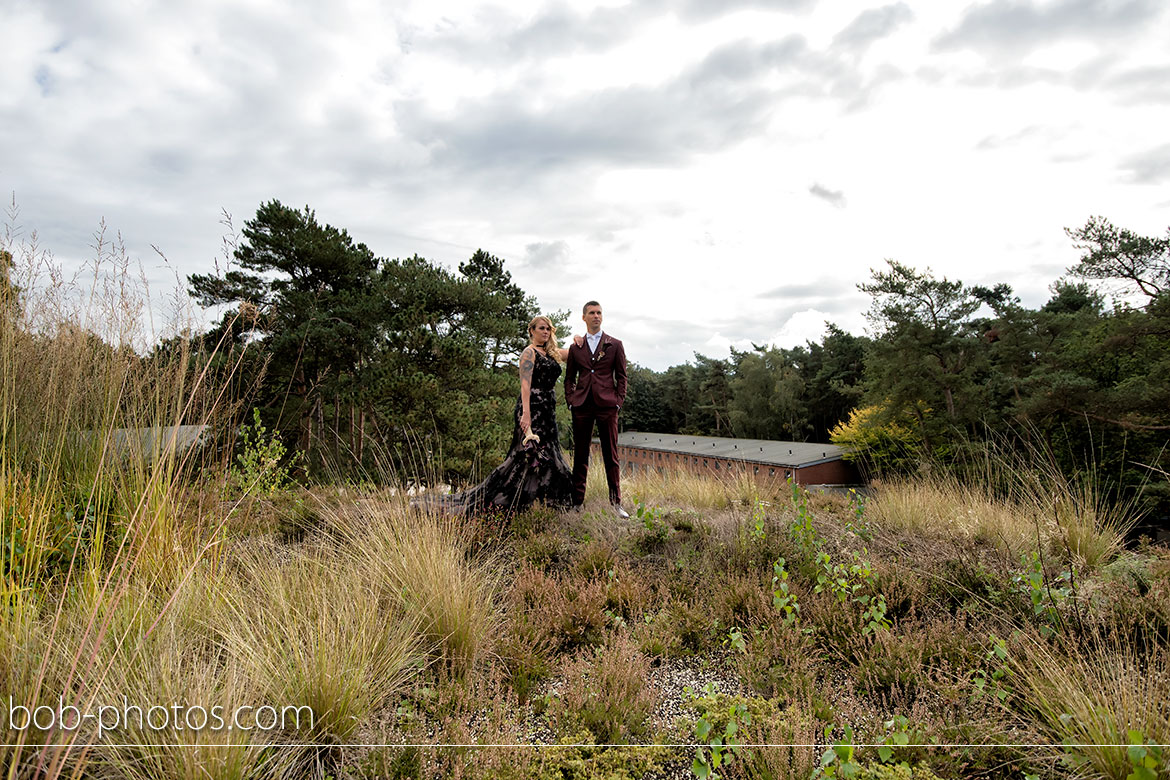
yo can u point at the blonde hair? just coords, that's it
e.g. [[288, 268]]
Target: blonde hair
[[550, 346]]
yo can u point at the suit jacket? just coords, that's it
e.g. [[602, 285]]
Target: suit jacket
[[600, 375]]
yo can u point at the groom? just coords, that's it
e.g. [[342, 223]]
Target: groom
[[595, 388]]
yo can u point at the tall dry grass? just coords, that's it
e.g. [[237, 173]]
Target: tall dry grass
[[1033, 508], [91, 475], [315, 631], [686, 488], [420, 562], [944, 507], [1087, 698]]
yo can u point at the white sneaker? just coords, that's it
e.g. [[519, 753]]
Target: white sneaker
[[623, 514]]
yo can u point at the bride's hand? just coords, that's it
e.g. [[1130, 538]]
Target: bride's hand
[[578, 340], [525, 421]]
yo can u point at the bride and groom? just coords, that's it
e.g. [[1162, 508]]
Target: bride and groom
[[595, 389]]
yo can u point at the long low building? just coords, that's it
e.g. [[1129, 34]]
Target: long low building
[[803, 462]]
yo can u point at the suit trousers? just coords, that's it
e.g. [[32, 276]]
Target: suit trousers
[[606, 418]]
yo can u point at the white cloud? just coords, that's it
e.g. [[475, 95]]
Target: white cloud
[[801, 327], [674, 161]]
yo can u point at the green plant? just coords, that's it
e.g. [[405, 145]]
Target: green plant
[[899, 735], [759, 520], [261, 468], [803, 533], [1147, 759], [782, 598], [874, 613], [717, 748], [992, 678], [1047, 594], [655, 532], [838, 760], [736, 641], [858, 524]]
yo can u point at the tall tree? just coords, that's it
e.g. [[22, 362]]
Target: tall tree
[[506, 332], [767, 395], [646, 408], [927, 350], [311, 285], [1117, 254], [833, 372]]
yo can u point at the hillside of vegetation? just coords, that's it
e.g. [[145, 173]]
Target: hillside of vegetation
[[988, 621], [930, 625]]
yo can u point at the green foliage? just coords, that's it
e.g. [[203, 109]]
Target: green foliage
[[736, 640], [373, 362], [656, 531], [1147, 759], [803, 533], [881, 439], [261, 468], [1113, 253], [839, 760], [759, 520], [783, 599], [768, 392], [645, 409], [855, 581], [1046, 594], [994, 677], [857, 525], [39, 541], [717, 730]]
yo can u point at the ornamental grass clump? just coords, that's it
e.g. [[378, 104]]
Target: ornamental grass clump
[[1091, 698], [421, 561], [313, 631]]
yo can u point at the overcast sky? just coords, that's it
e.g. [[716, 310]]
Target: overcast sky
[[716, 172]]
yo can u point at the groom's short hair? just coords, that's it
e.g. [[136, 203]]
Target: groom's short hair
[[585, 308]]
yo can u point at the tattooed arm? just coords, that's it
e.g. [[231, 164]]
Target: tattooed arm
[[527, 363]]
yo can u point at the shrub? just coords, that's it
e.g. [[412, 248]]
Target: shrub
[[582, 620], [741, 601], [890, 665], [605, 691], [782, 663], [595, 558], [529, 638], [688, 626], [628, 594], [544, 550], [262, 467]]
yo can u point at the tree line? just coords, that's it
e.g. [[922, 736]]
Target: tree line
[[354, 357], [1081, 383], [364, 363]]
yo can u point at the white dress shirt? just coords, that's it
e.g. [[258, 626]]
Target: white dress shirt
[[593, 340]]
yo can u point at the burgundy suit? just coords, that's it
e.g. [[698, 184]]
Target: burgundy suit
[[595, 388]]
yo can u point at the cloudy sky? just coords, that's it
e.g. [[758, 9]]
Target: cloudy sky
[[716, 172]]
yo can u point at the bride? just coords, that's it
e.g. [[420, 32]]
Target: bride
[[534, 469]]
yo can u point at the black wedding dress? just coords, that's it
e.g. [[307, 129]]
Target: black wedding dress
[[531, 472]]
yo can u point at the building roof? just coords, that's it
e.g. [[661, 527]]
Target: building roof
[[151, 442], [791, 454]]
